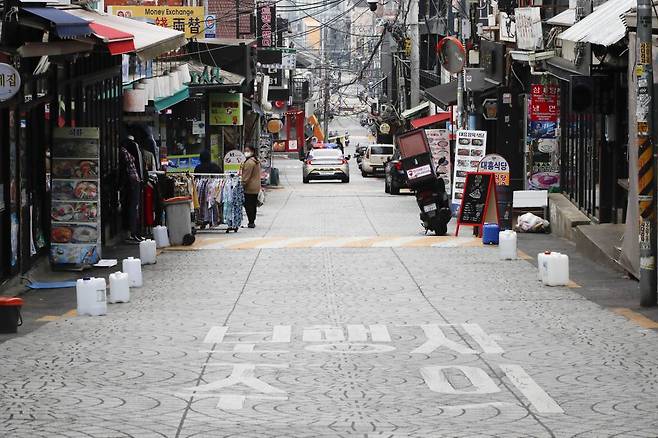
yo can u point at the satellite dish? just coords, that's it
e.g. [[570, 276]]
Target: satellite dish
[[452, 54]]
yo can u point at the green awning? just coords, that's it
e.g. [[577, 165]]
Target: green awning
[[166, 102]]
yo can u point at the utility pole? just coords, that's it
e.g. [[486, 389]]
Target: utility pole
[[460, 78], [325, 73], [646, 156], [415, 54]]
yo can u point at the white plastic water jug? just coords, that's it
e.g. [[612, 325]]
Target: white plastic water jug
[[147, 252], [541, 264], [507, 245], [557, 270], [161, 237], [119, 288], [91, 296], [133, 267]]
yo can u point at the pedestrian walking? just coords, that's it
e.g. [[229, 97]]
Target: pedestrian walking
[[251, 181]]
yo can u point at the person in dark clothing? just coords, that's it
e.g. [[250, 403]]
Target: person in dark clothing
[[207, 166]]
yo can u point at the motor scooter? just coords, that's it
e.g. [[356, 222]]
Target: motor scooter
[[434, 204]]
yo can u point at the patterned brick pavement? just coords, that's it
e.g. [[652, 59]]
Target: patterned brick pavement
[[326, 341]]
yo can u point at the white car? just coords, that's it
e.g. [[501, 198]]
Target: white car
[[375, 159], [326, 164]]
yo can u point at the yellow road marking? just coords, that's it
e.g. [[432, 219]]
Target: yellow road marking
[[636, 318], [523, 256], [253, 244], [305, 243], [573, 285], [48, 318]]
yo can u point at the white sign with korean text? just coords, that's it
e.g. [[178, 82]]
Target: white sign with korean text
[[10, 82], [528, 29], [470, 149], [439, 141]]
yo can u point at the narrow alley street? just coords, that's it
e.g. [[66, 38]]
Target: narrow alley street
[[336, 316]]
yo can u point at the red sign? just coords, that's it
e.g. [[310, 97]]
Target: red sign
[[544, 106], [266, 24]]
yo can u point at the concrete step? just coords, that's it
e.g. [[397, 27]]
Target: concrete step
[[601, 243]]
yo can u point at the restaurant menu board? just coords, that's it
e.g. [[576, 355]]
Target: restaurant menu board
[[469, 150], [439, 140], [499, 166], [75, 213], [543, 145], [478, 205]]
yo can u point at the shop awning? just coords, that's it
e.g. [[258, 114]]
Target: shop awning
[[117, 42], [604, 26], [445, 95], [430, 120], [564, 18], [64, 24], [166, 102], [54, 48], [149, 40], [406, 114]]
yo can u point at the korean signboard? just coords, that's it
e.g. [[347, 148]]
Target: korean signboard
[[470, 149], [439, 141], [266, 24], [10, 82], [188, 19], [528, 29], [225, 109], [543, 144]]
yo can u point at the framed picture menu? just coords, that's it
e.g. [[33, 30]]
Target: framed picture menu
[[75, 238]]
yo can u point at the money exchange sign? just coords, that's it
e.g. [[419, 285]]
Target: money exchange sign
[[188, 19]]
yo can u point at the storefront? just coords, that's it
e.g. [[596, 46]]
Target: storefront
[[61, 91]]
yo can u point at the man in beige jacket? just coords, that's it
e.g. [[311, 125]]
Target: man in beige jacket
[[251, 182]]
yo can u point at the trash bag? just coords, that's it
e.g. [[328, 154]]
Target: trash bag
[[530, 223]]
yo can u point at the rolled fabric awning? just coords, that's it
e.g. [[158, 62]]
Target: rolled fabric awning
[[65, 25], [117, 41]]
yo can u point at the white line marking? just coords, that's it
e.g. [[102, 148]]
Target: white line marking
[[476, 406], [531, 390], [437, 381], [359, 333], [281, 333], [486, 342], [231, 402], [323, 334], [215, 335], [436, 338]]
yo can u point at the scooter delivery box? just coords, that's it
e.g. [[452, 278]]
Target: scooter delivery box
[[416, 158]]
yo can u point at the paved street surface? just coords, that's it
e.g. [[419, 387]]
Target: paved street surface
[[336, 316]]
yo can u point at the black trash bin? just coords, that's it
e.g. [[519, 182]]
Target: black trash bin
[[10, 314]]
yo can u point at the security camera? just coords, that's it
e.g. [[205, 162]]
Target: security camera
[[373, 4]]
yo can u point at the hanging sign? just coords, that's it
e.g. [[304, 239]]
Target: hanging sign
[[542, 140], [225, 109], [266, 23], [75, 238], [233, 161], [10, 82], [183, 163], [439, 140], [188, 19], [471, 148], [529, 35], [478, 205], [210, 26]]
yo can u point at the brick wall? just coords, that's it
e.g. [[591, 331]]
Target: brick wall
[[229, 22]]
